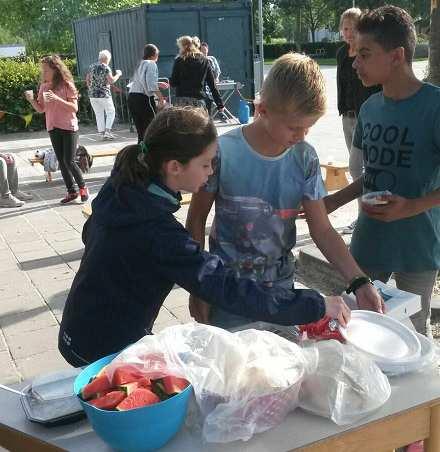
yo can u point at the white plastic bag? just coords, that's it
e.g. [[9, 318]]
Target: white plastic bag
[[342, 384], [244, 382]]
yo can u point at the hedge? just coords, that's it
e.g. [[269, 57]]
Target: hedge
[[20, 74], [323, 49]]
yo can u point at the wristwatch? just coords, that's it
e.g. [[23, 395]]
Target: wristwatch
[[357, 282]]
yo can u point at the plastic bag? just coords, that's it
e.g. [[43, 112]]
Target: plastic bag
[[341, 383], [244, 382]]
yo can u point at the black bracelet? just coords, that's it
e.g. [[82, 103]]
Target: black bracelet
[[357, 282]]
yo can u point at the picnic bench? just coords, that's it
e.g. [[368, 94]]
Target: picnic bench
[[87, 209], [94, 154], [335, 177]]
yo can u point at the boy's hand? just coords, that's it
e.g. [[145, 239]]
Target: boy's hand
[[396, 208], [199, 310], [368, 298]]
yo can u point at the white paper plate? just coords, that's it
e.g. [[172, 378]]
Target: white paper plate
[[386, 340], [425, 360]]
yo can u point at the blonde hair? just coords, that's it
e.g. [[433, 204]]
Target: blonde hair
[[187, 47], [295, 84], [196, 41], [352, 14]]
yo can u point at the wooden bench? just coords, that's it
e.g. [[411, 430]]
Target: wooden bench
[[335, 177], [94, 154], [87, 209]]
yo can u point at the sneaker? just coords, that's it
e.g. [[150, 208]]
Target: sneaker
[[108, 136], [84, 193], [415, 447], [23, 196], [69, 198], [10, 201], [350, 228]]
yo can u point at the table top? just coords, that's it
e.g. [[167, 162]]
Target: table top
[[298, 429]]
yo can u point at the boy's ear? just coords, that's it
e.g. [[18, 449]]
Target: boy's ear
[[260, 108], [399, 56]]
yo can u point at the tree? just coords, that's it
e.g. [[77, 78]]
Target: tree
[[434, 44], [46, 25]]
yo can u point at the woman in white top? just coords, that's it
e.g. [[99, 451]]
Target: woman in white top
[[143, 89]]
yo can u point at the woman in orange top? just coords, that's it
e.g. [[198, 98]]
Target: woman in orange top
[[58, 99]]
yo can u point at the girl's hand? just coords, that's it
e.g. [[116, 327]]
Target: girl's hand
[[50, 96], [336, 308]]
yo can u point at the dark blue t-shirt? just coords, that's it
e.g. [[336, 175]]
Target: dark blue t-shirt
[[400, 141]]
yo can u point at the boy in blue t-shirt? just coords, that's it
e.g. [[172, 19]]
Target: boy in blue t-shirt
[[398, 132], [264, 172]]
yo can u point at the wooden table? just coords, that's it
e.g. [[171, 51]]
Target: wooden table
[[412, 413]]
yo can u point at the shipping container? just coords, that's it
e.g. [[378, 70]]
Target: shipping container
[[227, 27]]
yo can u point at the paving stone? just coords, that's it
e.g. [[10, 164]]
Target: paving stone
[[3, 346], [27, 321], [38, 244], [177, 298], [8, 372], [20, 303], [24, 345], [42, 363], [183, 314], [164, 316]]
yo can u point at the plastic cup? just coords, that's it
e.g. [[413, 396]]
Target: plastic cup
[[373, 198], [29, 93]]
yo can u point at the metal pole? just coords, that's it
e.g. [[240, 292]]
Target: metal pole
[[260, 40]]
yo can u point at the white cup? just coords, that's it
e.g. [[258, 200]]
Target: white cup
[[372, 198], [29, 94]]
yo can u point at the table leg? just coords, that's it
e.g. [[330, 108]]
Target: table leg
[[432, 444]]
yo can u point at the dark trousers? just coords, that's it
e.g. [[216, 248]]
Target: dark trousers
[[64, 143], [142, 109]]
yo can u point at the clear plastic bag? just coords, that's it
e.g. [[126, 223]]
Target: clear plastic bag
[[244, 382], [342, 384]]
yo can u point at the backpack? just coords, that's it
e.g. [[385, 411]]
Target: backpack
[[83, 159]]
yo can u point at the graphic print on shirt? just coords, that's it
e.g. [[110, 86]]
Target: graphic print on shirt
[[386, 150]]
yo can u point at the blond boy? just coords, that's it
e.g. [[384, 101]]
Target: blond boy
[[265, 171]]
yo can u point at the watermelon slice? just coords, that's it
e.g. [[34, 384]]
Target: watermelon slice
[[140, 397], [108, 401], [174, 385], [99, 384], [126, 374], [128, 388]]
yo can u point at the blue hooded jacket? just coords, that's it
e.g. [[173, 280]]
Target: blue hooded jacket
[[135, 251]]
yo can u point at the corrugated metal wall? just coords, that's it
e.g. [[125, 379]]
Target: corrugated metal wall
[[227, 27], [122, 33]]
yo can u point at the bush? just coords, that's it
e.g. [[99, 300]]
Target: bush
[[316, 49], [272, 51], [324, 49]]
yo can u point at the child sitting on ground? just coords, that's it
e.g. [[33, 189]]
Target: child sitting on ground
[[263, 174], [135, 249]]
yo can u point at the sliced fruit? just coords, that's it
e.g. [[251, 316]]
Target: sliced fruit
[[99, 384], [126, 374], [174, 385], [101, 372], [108, 401], [138, 398], [128, 388], [158, 389]]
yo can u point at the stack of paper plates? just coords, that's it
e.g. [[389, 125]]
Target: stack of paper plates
[[388, 342]]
